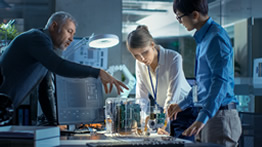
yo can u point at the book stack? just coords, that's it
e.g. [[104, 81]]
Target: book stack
[[37, 136]]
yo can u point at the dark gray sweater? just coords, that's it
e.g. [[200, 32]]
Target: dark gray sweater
[[26, 61]]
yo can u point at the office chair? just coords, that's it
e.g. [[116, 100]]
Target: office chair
[[6, 106]]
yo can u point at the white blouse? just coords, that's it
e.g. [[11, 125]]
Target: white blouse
[[172, 85]]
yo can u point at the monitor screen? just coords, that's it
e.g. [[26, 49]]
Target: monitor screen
[[257, 73], [81, 100]]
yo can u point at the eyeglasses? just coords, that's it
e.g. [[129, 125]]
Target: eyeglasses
[[179, 17]]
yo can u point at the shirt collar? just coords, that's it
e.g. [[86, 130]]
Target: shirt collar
[[46, 32], [57, 51], [199, 35]]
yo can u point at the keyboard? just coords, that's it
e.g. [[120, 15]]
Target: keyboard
[[147, 142]]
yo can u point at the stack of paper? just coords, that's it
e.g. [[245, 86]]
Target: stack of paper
[[29, 136]]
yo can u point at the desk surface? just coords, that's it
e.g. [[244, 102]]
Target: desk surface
[[102, 140], [97, 140]]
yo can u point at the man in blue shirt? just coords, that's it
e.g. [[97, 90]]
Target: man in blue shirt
[[218, 118]]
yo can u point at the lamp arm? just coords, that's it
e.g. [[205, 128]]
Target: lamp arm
[[83, 41], [131, 79], [80, 43]]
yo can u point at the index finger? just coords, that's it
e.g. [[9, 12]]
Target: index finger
[[105, 87], [123, 85], [119, 89], [170, 111], [111, 87]]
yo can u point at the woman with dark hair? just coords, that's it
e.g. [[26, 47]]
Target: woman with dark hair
[[159, 73]]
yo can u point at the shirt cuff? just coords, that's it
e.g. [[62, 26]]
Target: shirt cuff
[[183, 104], [96, 72], [186, 102], [202, 117]]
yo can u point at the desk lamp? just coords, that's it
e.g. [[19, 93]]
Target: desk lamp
[[95, 41], [103, 41]]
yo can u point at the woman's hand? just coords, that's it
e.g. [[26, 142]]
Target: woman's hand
[[162, 131]]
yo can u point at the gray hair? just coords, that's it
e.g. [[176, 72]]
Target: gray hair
[[60, 18]]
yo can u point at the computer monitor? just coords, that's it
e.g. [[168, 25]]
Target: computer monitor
[[257, 73], [81, 101]]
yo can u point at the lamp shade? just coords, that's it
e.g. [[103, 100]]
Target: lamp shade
[[103, 41]]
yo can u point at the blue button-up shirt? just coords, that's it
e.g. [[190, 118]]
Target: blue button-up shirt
[[214, 71]]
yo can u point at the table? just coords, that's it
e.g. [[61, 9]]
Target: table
[[106, 140]]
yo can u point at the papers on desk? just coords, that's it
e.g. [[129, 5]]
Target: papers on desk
[[29, 135]]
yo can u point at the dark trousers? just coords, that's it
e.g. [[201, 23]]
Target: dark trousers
[[183, 121]]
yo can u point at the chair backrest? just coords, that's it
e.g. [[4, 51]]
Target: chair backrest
[[1, 76], [6, 110], [6, 106]]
